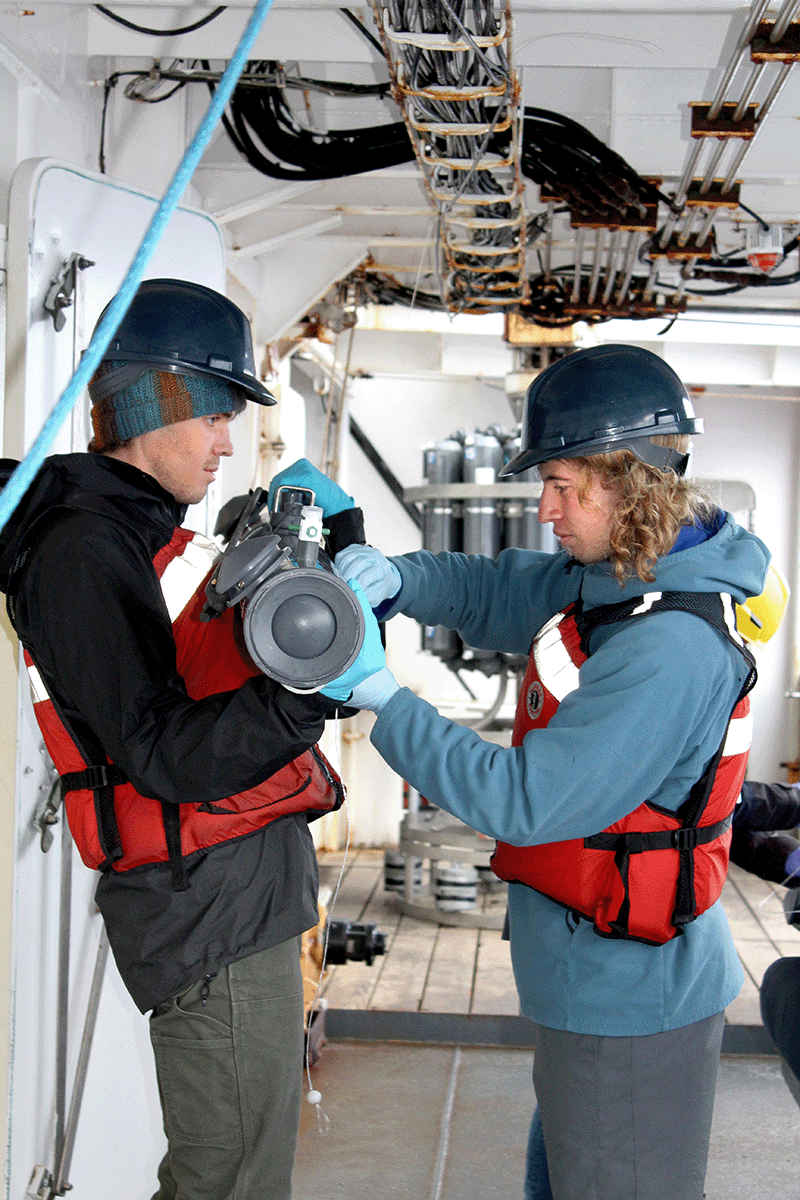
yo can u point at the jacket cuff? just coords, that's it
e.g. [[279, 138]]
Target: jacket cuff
[[345, 529], [314, 705]]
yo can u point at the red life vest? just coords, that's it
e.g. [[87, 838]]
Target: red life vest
[[116, 827], [654, 871]]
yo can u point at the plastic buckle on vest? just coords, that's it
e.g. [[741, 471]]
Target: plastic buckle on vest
[[91, 778], [685, 839], [96, 777]]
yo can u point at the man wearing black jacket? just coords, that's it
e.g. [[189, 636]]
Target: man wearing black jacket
[[189, 777], [761, 842]]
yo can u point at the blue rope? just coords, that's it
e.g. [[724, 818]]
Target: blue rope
[[24, 474]]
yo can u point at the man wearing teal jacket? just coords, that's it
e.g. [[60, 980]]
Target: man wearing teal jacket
[[627, 1032]]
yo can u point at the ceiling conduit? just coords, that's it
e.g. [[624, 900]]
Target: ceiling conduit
[[729, 128], [454, 82]]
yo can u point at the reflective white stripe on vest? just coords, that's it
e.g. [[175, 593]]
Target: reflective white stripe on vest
[[648, 600], [729, 612], [38, 690], [740, 735], [555, 668], [185, 573]]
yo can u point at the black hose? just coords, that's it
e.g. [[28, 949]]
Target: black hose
[[161, 32]]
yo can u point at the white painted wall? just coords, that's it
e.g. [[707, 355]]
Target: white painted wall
[[55, 210], [757, 440]]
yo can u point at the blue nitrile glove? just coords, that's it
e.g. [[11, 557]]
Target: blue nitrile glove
[[371, 657], [329, 496], [792, 865], [379, 578], [374, 692]]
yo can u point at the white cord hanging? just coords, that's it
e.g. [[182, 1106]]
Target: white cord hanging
[[313, 1095]]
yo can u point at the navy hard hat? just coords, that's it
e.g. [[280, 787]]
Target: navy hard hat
[[174, 325], [602, 399]]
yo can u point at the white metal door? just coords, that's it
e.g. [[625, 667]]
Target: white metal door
[[56, 212]]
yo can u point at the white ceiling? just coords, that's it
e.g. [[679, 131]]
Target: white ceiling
[[626, 72]]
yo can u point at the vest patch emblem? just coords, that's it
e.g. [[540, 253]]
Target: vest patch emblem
[[534, 700]]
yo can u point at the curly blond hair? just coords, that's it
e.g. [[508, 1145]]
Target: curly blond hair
[[653, 504]]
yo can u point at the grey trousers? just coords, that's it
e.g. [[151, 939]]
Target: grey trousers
[[230, 1075], [627, 1118]]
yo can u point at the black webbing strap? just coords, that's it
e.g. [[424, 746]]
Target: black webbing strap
[[683, 840], [707, 605], [658, 839], [105, 775], [171, 816], [690, 813], [101, 780], [710, 607]]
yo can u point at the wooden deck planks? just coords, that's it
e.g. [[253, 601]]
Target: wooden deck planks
[[405, 971], [351, 985], [742, 916], [495, 992], [756, 956], [363, 876], [438, 969], [452, 969]]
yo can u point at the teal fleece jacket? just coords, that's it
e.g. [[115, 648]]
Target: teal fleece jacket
[[650, 710]]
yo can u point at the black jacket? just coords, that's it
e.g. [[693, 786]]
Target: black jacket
[[76, 564]]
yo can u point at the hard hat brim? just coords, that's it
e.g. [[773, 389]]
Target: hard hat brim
[[252, 388], [534, 456]]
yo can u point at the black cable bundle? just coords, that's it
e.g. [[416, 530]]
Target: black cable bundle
[[569, 162], [383, 289], [263, 128], [557, 152], [546, 302], [736, 271], [739, 280]]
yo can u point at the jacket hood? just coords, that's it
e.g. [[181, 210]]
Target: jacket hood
[[732, 561], [85, 482]]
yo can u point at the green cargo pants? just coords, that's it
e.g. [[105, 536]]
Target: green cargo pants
[[229, 1061]]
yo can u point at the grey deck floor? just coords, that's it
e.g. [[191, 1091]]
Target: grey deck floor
[[423, 1102], [410, 1122]]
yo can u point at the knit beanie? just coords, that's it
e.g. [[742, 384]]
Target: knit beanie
[[130, 398]]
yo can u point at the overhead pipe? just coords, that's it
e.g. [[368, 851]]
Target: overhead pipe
[[598, 257], [705, 228], [579, 249], [548, 242], [762, 112], [650, 285], [711, 168], [611, 268], [686, 271], [681, 193], [749, 88], [784, 20], [745, 37], [634, 242], [685, 233]]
